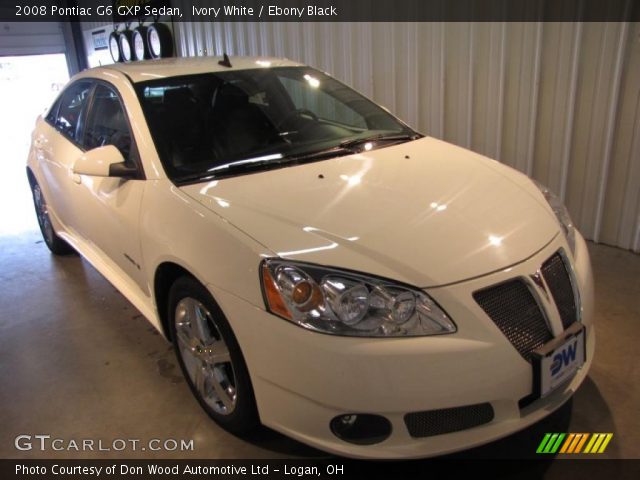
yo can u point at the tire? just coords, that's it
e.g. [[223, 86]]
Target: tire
[[114, 47], [141, 33], [162, 46], [57, 245], [210, 357], [125, 40]]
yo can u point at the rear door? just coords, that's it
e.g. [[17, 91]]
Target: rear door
[[58, 144]]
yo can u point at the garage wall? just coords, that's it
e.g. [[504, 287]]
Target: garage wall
[[558, 101]]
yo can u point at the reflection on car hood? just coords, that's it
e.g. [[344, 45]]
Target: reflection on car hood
[[424, 212]]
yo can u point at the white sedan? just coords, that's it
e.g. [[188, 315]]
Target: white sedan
[[320, 267]]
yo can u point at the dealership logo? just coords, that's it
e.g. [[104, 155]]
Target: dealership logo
[[574, 443], [565, 357]]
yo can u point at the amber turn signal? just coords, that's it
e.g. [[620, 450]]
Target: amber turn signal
[[272, 294]]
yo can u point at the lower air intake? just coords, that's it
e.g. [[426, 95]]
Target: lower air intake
[[447, 420]]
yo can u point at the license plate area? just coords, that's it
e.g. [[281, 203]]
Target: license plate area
[[557, 362]]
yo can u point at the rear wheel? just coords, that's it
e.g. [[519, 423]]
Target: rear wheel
[[57, 245], [210, 357]]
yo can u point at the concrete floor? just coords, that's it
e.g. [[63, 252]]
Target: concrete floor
[[78, 361]]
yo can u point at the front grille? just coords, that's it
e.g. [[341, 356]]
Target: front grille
[[516, 313], [447, 420], [556, 275]]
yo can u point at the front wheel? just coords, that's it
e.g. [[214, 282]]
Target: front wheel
[[57, 245], [210, 357]]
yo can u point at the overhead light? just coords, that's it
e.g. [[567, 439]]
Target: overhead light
[[314, 82]]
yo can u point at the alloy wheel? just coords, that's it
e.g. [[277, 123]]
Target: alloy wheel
[[205, 355], [42, 212]]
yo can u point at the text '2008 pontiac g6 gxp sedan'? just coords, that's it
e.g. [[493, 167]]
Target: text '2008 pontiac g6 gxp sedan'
[[320, 267]]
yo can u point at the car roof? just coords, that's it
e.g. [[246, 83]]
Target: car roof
[[171, 67]]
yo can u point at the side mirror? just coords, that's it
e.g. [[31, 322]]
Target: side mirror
[[104, 161]]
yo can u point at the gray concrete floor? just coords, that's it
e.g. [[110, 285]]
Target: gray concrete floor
[[78, 361]]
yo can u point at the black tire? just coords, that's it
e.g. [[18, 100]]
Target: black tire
[[165, 40], [114, 47], [141, 32], [57, 245], [125, 40], [244, 416]]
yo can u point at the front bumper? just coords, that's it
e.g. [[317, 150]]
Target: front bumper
[[303, 379]]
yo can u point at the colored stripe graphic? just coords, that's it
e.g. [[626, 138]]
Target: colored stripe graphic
[[567, 442], [576, 444], [550, 443], [606, 442], [600, 442], [555, 447], [582, 442], [593, 439], [543, 443], [573, 443]]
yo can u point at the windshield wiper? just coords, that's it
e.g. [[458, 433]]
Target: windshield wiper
[[319, 154], [233, 168], [380, 137], [261, 163], [278, 160]]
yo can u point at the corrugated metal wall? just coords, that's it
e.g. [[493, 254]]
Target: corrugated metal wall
[[559, 101]]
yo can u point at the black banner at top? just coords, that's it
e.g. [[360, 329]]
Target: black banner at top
[[320, 10], [132, 10]]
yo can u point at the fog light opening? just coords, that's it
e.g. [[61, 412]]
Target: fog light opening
[[361, 429]]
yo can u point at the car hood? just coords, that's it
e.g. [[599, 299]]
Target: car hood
[[424, 212]]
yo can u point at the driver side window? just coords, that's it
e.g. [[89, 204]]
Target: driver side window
[[107, 123]]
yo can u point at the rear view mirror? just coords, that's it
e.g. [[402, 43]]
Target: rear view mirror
[[104, 161]]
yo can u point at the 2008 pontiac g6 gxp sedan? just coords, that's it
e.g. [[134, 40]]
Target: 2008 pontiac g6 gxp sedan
[[320, 267]]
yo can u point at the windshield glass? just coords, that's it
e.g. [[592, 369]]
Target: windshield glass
[[233, 122]]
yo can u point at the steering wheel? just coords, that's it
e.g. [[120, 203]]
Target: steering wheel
[[296, 113]]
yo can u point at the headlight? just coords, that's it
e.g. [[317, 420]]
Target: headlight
[[562, 214], [343, 303]]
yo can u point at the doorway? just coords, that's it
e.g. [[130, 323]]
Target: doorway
[[28, 85]]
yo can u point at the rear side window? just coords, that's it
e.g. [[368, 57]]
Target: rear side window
[[53, 112], [72, 105], [107, 123]]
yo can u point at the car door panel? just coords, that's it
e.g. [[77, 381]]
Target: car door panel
[[110, 221], [109, 210], [57, 148]]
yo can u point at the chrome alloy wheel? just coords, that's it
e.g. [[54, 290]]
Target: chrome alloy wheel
[[42, 212], [205, 355]]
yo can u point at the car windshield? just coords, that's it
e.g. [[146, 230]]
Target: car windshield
[[233, 122]]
